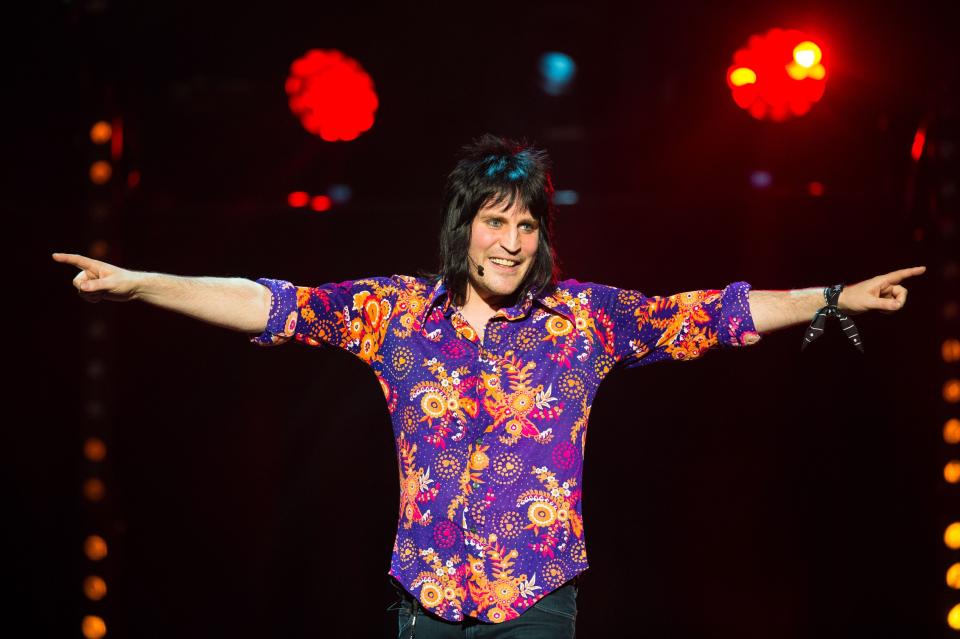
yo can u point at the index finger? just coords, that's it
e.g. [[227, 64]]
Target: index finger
[[76, 260], [897, 276]]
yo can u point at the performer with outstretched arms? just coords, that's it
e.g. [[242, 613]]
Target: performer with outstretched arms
[[489, 369]]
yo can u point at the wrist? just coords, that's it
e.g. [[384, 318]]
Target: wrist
[[832, 295], [139, 284], [808, 301]]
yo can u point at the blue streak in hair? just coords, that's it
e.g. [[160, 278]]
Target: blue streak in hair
[[497, 164], [522, 161]]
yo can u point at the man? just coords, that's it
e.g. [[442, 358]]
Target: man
[[489, 369]]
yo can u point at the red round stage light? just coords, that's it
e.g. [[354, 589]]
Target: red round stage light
[[919, 139], [320, 203], [298, 199], [778, 75], [332, 95]]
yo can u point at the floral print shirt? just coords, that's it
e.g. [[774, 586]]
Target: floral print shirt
[[490, 434]]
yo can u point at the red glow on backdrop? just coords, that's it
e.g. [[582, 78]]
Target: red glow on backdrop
[[298, 199], [916, 151], [320, 203], [332, 95], [116, 140], [778, 75]]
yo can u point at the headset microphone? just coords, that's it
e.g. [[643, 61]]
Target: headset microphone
[[479, 268]]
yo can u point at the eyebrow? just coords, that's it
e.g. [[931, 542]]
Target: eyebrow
[[489, 215]]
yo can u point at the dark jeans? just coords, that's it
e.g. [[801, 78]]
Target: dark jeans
[[553, 617]]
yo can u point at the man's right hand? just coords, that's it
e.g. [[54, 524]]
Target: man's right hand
[[231, 302], [100, 281]]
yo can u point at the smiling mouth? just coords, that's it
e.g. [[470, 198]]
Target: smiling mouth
[[502, 263]]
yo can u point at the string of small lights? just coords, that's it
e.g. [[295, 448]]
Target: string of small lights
[[110, 183], [933, 192], [105, 150]]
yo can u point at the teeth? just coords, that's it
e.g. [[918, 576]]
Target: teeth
[[497, 260]]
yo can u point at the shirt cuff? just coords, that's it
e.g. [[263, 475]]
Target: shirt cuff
[[736, 322], [282, 321]]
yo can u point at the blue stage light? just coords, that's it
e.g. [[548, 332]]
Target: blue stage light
[[565, 198], [761, 179], [556, 71], [340, 193]]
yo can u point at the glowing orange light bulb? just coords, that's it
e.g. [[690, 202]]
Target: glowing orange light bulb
[[807, 54], [817, 72], [94, 449], [953, 576], [951, 472], [951, 391], [93, 627], [951, 350], [100, 172], [98, 249], [951, 431], [100, 132], [953, 617], [95, 588], [94, 489], [742, 76], [951, 536], [94, 547]]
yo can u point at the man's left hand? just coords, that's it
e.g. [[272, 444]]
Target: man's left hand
[[881, 293]]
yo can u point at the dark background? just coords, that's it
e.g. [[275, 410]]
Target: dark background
[[251, 492]]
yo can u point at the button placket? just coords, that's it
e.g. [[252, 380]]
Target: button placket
[[457, 322], [487, 359]]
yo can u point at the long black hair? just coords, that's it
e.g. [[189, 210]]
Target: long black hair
[[496, 171]]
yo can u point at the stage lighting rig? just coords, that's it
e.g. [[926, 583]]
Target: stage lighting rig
[[778, 75], [332, 95]]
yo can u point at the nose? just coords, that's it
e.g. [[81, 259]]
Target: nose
[[510, 241]]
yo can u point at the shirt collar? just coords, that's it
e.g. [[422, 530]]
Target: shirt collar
[[551, 302], [440, 295]]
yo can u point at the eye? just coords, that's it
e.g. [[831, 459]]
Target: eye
[[494, 223]]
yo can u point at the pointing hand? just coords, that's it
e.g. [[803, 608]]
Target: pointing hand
[[98, 280]]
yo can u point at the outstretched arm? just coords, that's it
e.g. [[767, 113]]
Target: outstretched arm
[[773, 310], [234, 303]]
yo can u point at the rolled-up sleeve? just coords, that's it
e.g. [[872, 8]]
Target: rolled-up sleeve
[[351, 315], [282, 321], [678, 327]]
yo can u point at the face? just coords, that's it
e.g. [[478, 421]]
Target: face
[[504, 242]]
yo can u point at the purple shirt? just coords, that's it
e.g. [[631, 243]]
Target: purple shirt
[[490, 435]]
